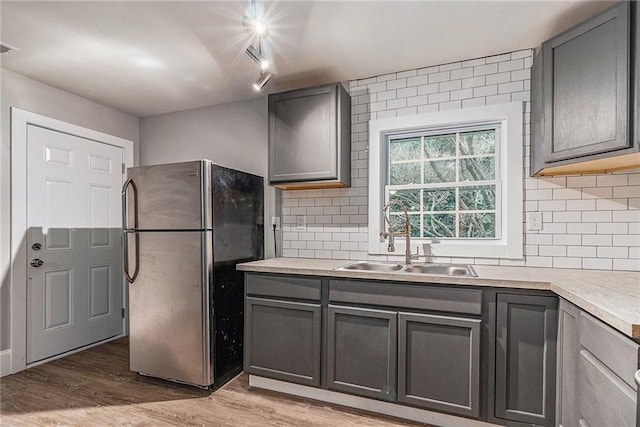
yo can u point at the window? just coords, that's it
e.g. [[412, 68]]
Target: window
[[459, 174]]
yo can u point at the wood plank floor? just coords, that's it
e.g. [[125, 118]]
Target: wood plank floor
[[96, 388]]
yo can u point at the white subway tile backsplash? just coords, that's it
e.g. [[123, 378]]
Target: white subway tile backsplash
[[450, 85], [626, 191], [612, 180], [612, 228], [515, 64], [626, 264], [409, 73], [611, 204], [462, 73], [581, 205], [597, 240], [582, 251], [581, 181], [485, 90], [613, 252], [473, 82], [439, 77], [590, 221], [485, 69], [596, 216], [597, 263], [567, 262]]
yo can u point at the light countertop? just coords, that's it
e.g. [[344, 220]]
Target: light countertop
[[611, 296]]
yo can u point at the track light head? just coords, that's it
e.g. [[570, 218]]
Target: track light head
[[256, 55], [262, 80], [257, 27]]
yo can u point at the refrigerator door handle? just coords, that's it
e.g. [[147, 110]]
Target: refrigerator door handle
[[125, 218]]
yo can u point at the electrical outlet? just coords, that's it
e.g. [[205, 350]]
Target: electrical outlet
[[534, 221], [275, 220], [301, 223]]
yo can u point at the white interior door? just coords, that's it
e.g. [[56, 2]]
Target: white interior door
[[74, 268]]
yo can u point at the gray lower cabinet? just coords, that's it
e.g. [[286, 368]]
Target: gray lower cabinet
[[439, 362], [361, 351], [282, 340], [525, 358], [596, 366], [567, 365]]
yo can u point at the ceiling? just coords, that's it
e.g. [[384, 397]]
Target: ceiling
[[148, 58]]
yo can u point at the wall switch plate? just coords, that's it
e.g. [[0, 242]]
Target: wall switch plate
[[534, 221], [301, 223], [275, 220]]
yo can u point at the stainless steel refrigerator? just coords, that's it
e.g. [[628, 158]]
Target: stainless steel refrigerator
[[186, 226]]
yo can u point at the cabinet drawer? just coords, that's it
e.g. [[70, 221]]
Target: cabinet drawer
[[613, 349], [421, 297], [283, 286], [604, 400]]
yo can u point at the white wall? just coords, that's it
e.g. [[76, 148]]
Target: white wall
[[590, 221], [30, 95], [232, 135]]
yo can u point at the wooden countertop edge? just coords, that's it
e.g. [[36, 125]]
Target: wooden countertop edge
[[630, 329]]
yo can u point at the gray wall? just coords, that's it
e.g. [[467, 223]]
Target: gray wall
[[30, 95], [232, 135]]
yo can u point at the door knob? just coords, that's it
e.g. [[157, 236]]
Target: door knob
[[36, 262]]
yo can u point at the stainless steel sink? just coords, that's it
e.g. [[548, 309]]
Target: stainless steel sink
[[441, 269], [372, 266], [433, 269]]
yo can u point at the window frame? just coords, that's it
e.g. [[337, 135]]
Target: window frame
[[509, 163], [454, 185]]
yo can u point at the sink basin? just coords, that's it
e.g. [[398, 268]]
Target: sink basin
[[372, 266], [435, 269], [441, 269]]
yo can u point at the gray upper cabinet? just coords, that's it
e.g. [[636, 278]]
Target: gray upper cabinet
[[525, 358], [636, 68], [310, 138], [582, 98], [439, 362]]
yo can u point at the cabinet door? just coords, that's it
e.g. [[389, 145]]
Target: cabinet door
[[567, 366], [282, 340], [586, 87], [361, 351], [302, 135], [525, 358], [604, 399], [439, 362], [636, 102]]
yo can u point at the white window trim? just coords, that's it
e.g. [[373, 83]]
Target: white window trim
[[510, 117]]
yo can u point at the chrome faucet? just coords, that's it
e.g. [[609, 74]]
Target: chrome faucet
[[427, 249], [391, 233]]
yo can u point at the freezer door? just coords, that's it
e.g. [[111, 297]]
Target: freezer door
[[238, 215], [169, 307], [174, 196]]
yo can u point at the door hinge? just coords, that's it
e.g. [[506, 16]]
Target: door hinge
[[123, 312], [124, 169]]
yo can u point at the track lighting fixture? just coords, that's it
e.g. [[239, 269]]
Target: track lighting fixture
[[262, 80], [254, 51], [256, 55]]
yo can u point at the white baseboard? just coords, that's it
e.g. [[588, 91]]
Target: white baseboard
[[5, 362], [386, 408]]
